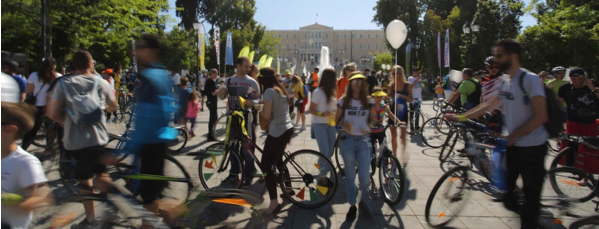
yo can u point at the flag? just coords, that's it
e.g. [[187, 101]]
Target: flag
[[201, 46], [229, 54], [244, 52], [408, 51], [268, 62], [217, 44], [447, 48], [278, 65], [251, 56], [439, 49]]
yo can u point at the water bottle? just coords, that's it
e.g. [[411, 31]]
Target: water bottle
[[499, 171]]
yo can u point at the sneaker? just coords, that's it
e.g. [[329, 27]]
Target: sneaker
[[108, 121], [296, 125], [351, 214], [231, 179], [302, 128], [85, 225], [202, 109]]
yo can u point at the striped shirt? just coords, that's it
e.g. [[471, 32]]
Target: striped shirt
[[490, 86], [379, 115]]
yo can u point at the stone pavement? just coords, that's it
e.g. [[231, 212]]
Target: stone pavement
[[421, 173]]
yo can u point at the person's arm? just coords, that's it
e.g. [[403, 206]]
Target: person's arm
[[477, 111], [454, 96], [55, 106], [411, 97], [29, 88], [540, 117], [391, 115], [266, 109], [40, 196], [592, 86]]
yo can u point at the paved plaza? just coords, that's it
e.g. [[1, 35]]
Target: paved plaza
[[421, 173]]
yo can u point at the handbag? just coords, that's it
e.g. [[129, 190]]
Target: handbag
[[31, 98]]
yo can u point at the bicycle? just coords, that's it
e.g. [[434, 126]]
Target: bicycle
[[391, 177], [219, 129], [301, 170], [440, 214], [469, 131], [435, 129]]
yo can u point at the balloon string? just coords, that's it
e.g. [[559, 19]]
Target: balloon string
[[395, 84]]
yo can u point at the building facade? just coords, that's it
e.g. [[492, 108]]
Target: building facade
[[303, 46]]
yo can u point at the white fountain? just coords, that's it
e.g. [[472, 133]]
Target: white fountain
[[324, 60]]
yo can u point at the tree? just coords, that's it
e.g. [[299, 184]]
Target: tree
[[381, 58], [180, 49], [567, 35]]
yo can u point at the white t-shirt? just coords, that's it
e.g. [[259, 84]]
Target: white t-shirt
[[322, 105], [176, 79], [39, 88], [202, 81], [358, 117], [417, 90], [19, 171], [10, 89]]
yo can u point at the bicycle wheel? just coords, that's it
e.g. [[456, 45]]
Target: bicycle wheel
[[179, 143], [434, 131], [413, 126], [588, 222], [179, 184], [448, 197], [568, 155], [219, 130], [215, 168], [450, 142], [553, 145], [391, 179], [312, 178], [572, 183]]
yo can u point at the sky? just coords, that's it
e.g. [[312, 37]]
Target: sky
[[339, 14]]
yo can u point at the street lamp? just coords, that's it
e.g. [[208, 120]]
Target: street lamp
[[197, 25], [470, 29]]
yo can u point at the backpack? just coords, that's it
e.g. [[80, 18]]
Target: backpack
[[554, 111], [474, 97], [85, 109], [305, 92]]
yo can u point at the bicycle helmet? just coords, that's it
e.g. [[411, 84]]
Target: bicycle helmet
[[490, 60], [557, 69]]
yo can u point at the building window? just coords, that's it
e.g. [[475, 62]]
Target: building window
[[287, 46], [345, 36], [345, 46], [368, 35], [376, 36], [352, 35], [337, 36], [305, 46], [337, 47], [360, 36], [326, 36], [305, 35], [376, 47], [353, 46], [287, 36], [319, 35], [368, 47], [360, 47], [279, 35], [294, 46]]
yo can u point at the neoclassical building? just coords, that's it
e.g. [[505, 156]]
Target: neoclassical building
[[303, 46]]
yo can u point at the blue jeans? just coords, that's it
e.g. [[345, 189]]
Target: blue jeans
[[356, 148], [325, 137]]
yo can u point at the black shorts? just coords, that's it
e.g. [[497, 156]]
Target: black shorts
[[152, 162], [88, 161]]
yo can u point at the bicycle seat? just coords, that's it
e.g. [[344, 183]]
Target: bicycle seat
[[591, 143]]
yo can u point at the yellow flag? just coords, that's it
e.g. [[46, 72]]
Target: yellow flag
[[268, 62], [251, 56], [262, 61], [244, 52]]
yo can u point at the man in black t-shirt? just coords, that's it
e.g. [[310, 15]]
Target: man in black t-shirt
[[210, 91], [581, 97], [371, 79]]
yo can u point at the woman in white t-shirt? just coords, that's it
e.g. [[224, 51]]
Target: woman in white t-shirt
[[323, 110], [354, 111], [37, 85]]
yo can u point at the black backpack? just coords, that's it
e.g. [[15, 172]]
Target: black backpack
[[554, 111], [474, 97]]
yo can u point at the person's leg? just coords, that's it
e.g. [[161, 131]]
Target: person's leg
[[404, 154], [212, 120], [152, 162], [533, 174], [348, 152], [417, 114], [363, 156], [51, 135], [412, 121], [28, 138], [322, 139], [250, 167], [513, 166], [394, 139], [269, 157]]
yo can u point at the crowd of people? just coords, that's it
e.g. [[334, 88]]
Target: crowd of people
[[81, 102]]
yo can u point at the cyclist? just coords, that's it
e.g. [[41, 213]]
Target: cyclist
[[245, 86], [322, 108], [377, 128], [348, 69], [301, 93], [211, 90], [84, 143], [523, 126], [23, 178], [469, 91], [558, 72], [401, 91], [385, 82], [372, 82], [280, 131], [353, 110], [107, 74], [415, 81], [581, 99], [448, 86]]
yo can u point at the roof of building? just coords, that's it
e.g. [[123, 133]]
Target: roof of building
[[316, 26]]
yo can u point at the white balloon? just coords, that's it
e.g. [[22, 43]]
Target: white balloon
[[396, 33]]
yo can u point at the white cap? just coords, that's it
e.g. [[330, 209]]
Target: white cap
[[10, 89]]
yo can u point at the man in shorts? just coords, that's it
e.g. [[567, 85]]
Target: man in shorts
[[84, 143]]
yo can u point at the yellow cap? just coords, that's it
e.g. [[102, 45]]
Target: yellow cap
[[287, 72], [379, 93], [357, 76]]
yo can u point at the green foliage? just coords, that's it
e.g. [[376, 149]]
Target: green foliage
[[180, 49], [103, 27], [567, 35], [382, 58]]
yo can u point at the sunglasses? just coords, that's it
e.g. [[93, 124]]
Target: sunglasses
[[493, 67], [355, 82]]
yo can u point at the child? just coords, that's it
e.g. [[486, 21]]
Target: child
[[378, 110], [23, 180], [193, 106], [439, 88]]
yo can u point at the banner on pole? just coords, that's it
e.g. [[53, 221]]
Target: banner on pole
[[217, 44], [202, 46], [408, 51], [447, 48], [278, 65], [229, 54], [134, 57], [439, 49]]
